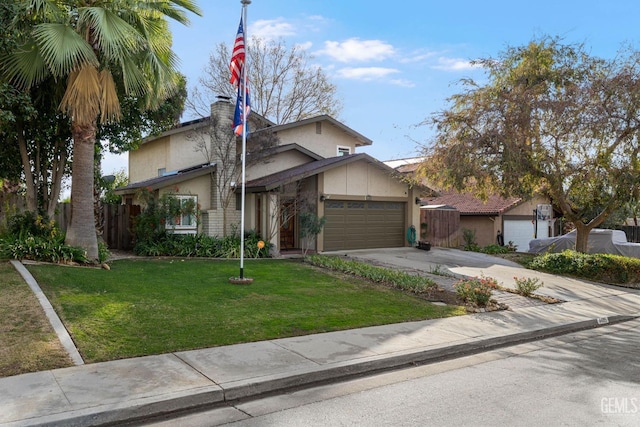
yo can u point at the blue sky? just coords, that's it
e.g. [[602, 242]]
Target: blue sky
[[396, 63]]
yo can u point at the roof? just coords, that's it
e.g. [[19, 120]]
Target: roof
[[363, 140], [168, 179], [270, 182], [469, 204]]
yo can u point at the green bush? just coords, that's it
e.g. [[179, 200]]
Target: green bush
[[600, 267], [35, 237], [495, 249], [397, 279], [476, 290], [200, 245], [40, 249], [526, 286]]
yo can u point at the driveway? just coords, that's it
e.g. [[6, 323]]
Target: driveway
[[457, 263]]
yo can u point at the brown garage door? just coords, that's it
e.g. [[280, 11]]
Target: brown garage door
[[362, 225]]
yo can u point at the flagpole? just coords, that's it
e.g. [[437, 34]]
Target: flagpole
[[244, 3]]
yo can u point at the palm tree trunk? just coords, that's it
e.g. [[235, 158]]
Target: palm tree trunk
[[82, 229]]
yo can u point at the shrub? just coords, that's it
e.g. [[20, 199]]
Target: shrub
[[526, 286], [495, 249], [469, 237], [600, 267], [476, 290], [397, 279], [34, 237]]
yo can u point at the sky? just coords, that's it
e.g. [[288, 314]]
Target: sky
[[395, 64]]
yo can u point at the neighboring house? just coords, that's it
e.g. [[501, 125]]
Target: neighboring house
[[517, 219], [513, 217], [312, 166]]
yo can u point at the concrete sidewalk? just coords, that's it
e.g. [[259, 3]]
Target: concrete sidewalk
[[130, 389]]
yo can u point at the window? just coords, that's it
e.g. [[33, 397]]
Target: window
[[188, 213], [343, 151]]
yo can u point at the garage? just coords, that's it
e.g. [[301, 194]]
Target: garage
[[363, 224], [520, 232]]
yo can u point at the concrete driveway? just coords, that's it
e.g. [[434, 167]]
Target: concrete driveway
[[469, 264]]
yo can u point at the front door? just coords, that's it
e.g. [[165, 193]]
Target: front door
[[288, 226]]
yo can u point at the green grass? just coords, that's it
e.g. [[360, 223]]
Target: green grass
[[143, 307]]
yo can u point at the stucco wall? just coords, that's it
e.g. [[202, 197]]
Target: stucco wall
[[277, 163], [485, 228], [147, 159]]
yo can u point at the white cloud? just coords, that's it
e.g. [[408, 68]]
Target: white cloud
[[365, 73], [305, 45], [403, 83], [453, 64], [271, 28], [417, 56], [355, 49]]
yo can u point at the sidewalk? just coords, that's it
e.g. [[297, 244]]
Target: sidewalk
[[121, 390]]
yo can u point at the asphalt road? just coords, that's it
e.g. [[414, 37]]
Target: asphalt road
[[587, 378]]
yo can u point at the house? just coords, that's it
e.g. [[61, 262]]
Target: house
[[517, 219], [306, 166], [513, 217]]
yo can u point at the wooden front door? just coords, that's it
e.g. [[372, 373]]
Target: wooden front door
[[288, 226]]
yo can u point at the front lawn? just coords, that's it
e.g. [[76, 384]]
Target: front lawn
[[27, 340], [143, 307]]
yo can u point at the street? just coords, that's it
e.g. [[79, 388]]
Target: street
[[586, 378]]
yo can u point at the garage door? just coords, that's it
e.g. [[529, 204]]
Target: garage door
[[520, 232], [362, 225]]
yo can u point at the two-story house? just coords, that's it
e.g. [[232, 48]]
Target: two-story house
[[309, 165]]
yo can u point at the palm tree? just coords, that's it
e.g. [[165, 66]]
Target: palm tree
[[97, 49]]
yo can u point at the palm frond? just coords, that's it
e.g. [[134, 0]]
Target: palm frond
[[174, 9], [109, 101], [111, 35], [81, 100], [62, 49], [25, 67]]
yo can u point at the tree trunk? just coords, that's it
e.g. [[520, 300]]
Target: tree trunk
[[82, 229], [582, 237], [32, 200]]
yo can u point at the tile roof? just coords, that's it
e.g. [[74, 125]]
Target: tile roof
[[468, 204]]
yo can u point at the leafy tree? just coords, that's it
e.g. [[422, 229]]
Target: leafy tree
[[284, 86], [550, 120], [95, 48]]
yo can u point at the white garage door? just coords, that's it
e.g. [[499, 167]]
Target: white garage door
[[518, 231]]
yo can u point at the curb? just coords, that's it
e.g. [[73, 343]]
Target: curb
[[209, 397]]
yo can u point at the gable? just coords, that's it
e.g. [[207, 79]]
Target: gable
[[363, 178]]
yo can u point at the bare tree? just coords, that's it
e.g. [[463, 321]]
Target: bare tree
[[285, 86], [218, 144]]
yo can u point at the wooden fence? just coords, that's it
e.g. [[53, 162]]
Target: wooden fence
[[632, 232], [442, 227], [117, 220], [118, 226]]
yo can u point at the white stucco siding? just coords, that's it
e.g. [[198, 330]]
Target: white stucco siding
[[324, 143]]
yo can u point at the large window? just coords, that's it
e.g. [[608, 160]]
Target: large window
[[187, 218]]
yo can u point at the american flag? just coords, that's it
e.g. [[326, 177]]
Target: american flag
[[241, 114], [237, 56]]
